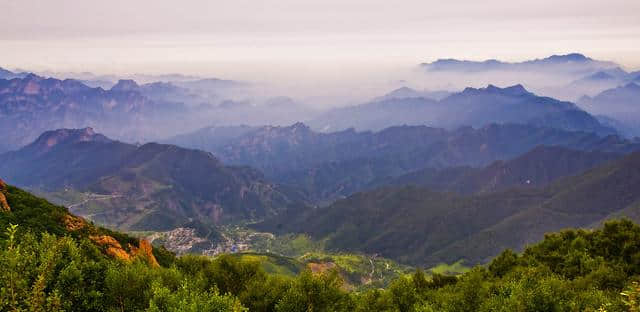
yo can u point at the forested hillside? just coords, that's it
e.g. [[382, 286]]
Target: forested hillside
[[420, 226], [51, 261], [152, 186]]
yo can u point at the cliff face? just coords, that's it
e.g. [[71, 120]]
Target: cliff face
[[4, 205], [144, 250], [111, 246], [114, 249]]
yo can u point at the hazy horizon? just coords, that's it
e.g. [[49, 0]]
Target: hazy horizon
[[257, 41], [351, 50]]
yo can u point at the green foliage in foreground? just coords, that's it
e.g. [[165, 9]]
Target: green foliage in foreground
[[43, 267], [574, 270]]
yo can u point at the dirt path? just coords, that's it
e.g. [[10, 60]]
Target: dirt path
[[373, 267], [93, 197]]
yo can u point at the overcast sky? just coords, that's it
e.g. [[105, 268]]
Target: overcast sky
[[236, 38]]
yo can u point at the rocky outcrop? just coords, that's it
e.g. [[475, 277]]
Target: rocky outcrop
[[144, 250], [73, 223], [112, 246], [4, 205], [114, 249]]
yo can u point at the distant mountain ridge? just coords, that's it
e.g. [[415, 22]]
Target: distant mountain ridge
[[331, 165], [472, 107], [406, 92], [573, 62], [7, 74], [621, 103], [33, 104], [152, 186]]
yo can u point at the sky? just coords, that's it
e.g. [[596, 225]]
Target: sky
[[306, 39]]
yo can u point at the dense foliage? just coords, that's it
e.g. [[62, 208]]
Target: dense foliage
[[423, 227], [44, 267], [574, 270]]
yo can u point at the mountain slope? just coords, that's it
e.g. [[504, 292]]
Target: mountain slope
[[38, 216], [209, 138], [330, 165], [539, 167], [151, 186], [621, 103], [445, 227]]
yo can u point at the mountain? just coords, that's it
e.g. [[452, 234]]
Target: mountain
[[599, 76], [208, 84], [33, 104], [536, 168], [621, 103], [7, 74], [330, 165], [569, 63], [209, 138], [406, 92], [153, 186], [169, 92], [590, 84], [420, 226], [471, 107]]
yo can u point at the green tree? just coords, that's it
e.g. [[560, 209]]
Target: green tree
[[188, 298], [316, 293]]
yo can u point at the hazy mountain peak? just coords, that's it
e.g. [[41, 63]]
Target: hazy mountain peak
[[632, 86], [600, 76], [402, 92], [125, 85], [53, 138], [300, 126], [575, 63], [571, 57], [409, 93], [32, 77], [515, 90]]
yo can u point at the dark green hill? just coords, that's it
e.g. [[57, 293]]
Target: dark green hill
[[331, 165], [537, 168], [419, 226], [77, 270], [153, 186], [37, 216]]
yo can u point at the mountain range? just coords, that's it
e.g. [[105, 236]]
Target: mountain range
[[424, 227], [422, 177], [331, 165], [7, 74], [572, 63], [471, 107], [152, 186], [33, 104], [621, 104], [536, 168], [132, 112]]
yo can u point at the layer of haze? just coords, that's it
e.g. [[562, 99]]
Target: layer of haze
[[313, 48]]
